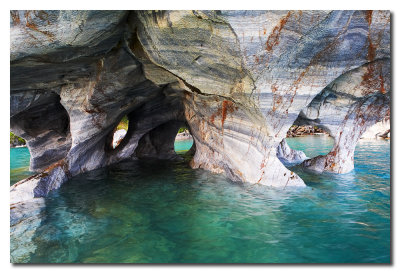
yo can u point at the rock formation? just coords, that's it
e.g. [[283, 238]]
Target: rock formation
[[237, 79], [345, 109], [288, 155], [16, 141], [303, 130], [380, 129], [118, 136]]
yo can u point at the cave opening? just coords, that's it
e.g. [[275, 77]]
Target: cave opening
[[183, 141], [309, 139], [44, 125], [169, 140], [16, 141], [120, 131]]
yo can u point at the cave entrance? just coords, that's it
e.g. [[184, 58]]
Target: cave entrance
[[183, 141], [120, 131], [16, 141], [312, 140], [162, 142]]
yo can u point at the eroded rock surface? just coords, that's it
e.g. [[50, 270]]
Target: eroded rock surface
[[289, 156], [380, 129], [25, 218], [345, 109], [237, 79]]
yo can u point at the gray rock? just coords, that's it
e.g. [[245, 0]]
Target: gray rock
[[118, 136], [25, 218], [237, 79], [345, 109], [288, 155], [380, 129]]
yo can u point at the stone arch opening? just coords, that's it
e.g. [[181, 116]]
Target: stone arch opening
[[120, 132], [313, 140], [16, 141], [303, 142], [45, 126], [183, 142], [160, 141]]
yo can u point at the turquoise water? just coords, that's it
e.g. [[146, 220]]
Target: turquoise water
[[311, 145], [19, 164], [182, 146], [164, 212]]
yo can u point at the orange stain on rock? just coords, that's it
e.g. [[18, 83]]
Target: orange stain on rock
[[273, 38], [368, 16], [30, 24], [382, 89], [227, 106], [15, 17]]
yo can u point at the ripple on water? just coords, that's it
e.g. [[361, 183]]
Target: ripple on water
[[159, 211]]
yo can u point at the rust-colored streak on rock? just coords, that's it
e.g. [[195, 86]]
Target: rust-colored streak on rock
[[368, 16], [30, 24], [369, 79], [212, 118], [15, 17], [276, 97], [274, 88], [371, 49], [261, 177], [273, 38], [61, 163], [262, 165], [44, 16], [382, 89], [227, 106]]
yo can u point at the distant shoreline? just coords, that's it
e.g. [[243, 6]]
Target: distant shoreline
[[18, 146], [183, 136]]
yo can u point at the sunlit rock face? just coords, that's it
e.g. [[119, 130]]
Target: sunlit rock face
[[380, 129], [289, 156], [263, 68], [237, 79], [346, 108]]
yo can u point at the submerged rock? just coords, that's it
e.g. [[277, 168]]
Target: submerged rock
[[237, 79], [25, 218], [288, 155]]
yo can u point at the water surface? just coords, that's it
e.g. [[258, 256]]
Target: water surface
[[164, 212], [19, 164], [182, 146]]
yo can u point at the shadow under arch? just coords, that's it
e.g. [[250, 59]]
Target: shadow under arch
[[45, 126], [160, 141]]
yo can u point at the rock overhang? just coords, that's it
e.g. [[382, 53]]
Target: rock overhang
[[238, 79]]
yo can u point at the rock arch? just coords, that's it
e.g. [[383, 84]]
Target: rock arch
[[239, 97], [346, 109], [44, 124]]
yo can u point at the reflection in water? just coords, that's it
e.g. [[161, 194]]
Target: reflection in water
[[160, 211]]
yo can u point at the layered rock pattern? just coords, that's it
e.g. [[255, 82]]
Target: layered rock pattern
[[289, 156], [380, 129], [345, 109], [237, 79]]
